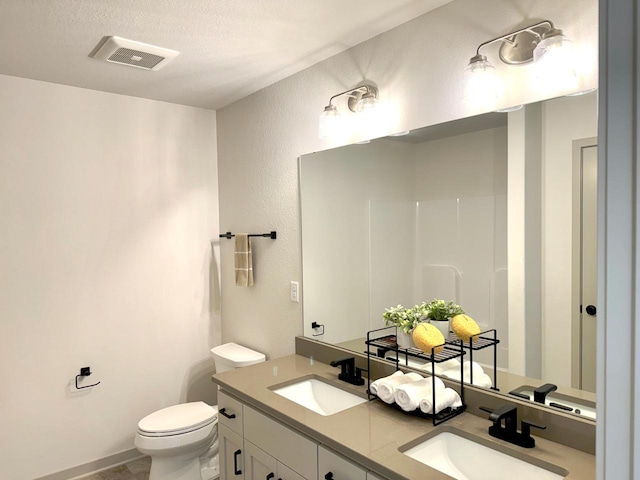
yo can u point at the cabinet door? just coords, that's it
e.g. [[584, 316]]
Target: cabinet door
[[285, 473], [332, 466], [259, 465], [231, 456], [373, 476]]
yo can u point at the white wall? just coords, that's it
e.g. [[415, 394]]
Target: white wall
[[108, 205], [418, 69]]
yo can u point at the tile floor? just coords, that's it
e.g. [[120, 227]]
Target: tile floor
[[134, 470]]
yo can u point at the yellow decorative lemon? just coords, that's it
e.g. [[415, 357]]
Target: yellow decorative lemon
[[465, 327], [426, 336]]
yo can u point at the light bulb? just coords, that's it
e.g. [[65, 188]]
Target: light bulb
[[367, 103], [330, 123], [480, 85], [371, 119], [555, 63]]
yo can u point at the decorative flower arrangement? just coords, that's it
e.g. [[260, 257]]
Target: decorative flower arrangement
[[442, 310], [405, 318]]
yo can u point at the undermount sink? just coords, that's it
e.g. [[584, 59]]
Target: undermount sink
[[318, 396], [466, 457]]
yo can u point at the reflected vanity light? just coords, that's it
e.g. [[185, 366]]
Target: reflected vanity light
[[541, 43], [362, 100], [582, 92], [509, 109]]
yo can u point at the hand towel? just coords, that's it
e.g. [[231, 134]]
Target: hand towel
[[243, 260], [444, 398], [409, 395], [386, 386]]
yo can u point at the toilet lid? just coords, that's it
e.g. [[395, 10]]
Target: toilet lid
[[178, 419]]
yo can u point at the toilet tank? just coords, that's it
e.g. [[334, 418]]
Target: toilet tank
[[231, 355]]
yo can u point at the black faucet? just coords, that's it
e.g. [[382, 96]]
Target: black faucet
[[348, 371], [509, 432], [540, 393]]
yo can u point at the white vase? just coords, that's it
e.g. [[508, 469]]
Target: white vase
[[404, 340], [442, 325]]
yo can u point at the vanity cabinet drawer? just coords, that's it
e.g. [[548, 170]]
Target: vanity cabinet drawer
[[290, 448], [230, 412], [338, 466]]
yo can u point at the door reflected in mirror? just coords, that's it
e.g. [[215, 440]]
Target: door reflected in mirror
[[496, 213]]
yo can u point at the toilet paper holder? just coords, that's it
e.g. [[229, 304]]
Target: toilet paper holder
[[84, 372]]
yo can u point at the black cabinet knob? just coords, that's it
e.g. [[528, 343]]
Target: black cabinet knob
[[591, 309]]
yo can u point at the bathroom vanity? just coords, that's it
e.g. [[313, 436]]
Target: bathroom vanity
[[264, 435]]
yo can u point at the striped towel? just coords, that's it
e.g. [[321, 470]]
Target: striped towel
[[243, 260]]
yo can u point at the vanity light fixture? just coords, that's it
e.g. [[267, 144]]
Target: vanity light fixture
[[362, 100], [540, 43]]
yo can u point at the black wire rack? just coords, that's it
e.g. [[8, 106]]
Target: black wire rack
[[486, 339], [384, 341]]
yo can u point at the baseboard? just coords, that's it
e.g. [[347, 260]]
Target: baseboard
[[95, 466]]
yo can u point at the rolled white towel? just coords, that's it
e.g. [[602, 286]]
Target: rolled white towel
[[480, 379], [374, 385], [468, 366], [453, 374], [444, 398], [483, 380], [449, 364], [442, 367], [386, 386], [408, 395]]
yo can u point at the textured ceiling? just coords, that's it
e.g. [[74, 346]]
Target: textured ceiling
[[229, 48]]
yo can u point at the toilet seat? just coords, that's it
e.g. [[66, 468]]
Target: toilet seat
[[178, 420]]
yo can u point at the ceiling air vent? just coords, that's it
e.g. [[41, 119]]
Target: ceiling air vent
[[132, 53]]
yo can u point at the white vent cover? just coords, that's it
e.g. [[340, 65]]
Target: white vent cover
[[132, 53]]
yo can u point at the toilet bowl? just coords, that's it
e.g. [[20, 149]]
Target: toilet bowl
[[175, 437], [182, 440]]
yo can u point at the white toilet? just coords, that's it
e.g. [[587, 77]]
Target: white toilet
[[182, 440]]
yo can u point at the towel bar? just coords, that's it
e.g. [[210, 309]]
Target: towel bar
[[85, 372], [271, 235]]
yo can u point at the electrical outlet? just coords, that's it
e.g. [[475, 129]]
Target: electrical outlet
[[294, 292]]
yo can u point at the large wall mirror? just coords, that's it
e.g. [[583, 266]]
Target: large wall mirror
[[495, 212]]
